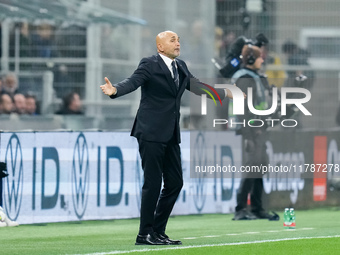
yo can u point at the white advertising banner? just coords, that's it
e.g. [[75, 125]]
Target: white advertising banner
[[69, 176]]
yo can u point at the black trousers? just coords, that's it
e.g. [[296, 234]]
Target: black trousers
[[254, 186], [160, 161], [255, 155]]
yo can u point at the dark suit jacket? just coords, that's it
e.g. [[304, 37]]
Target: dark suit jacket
[[157, 119]]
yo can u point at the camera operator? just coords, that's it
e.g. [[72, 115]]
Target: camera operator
[[254, 138], [233, 60]]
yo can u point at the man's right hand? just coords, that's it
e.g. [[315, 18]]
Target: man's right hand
[[107, 88], [230, 95]]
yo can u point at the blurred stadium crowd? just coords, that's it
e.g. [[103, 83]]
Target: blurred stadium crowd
[[22, 94]]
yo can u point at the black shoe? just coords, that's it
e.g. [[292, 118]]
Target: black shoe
[[244, 215], [165, 238], [149, 239], [264, 215]]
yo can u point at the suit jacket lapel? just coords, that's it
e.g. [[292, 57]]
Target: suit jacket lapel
[[167, 73], [183, 72]]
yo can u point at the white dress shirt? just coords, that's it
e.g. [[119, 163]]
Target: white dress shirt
[[168, 62]]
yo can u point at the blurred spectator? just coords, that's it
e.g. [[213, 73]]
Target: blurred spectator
[[62, 81], [6, 104], [19, 103], [24, 40], [10, 84], [43, 41], [70, 40], [71, 104], [228, 40], [297, 56], [31, 105]]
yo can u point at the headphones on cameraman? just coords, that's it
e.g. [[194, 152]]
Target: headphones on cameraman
[[250, 57]]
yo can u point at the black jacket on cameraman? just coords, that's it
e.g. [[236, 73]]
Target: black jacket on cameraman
[[254, 141], [250, 79]]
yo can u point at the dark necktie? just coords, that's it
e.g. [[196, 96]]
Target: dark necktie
[[175, 72]]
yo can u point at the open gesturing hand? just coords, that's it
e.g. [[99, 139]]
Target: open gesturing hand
[[107, 88]]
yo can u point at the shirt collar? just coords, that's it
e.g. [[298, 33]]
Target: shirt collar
[[167, 60]]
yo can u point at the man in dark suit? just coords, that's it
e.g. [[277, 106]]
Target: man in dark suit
[[162, 80]]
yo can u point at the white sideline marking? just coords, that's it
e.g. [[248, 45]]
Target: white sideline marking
[[276, 231], [209, 245], [246, 233]]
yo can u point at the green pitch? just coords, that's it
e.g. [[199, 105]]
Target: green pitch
[[317, 232]]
